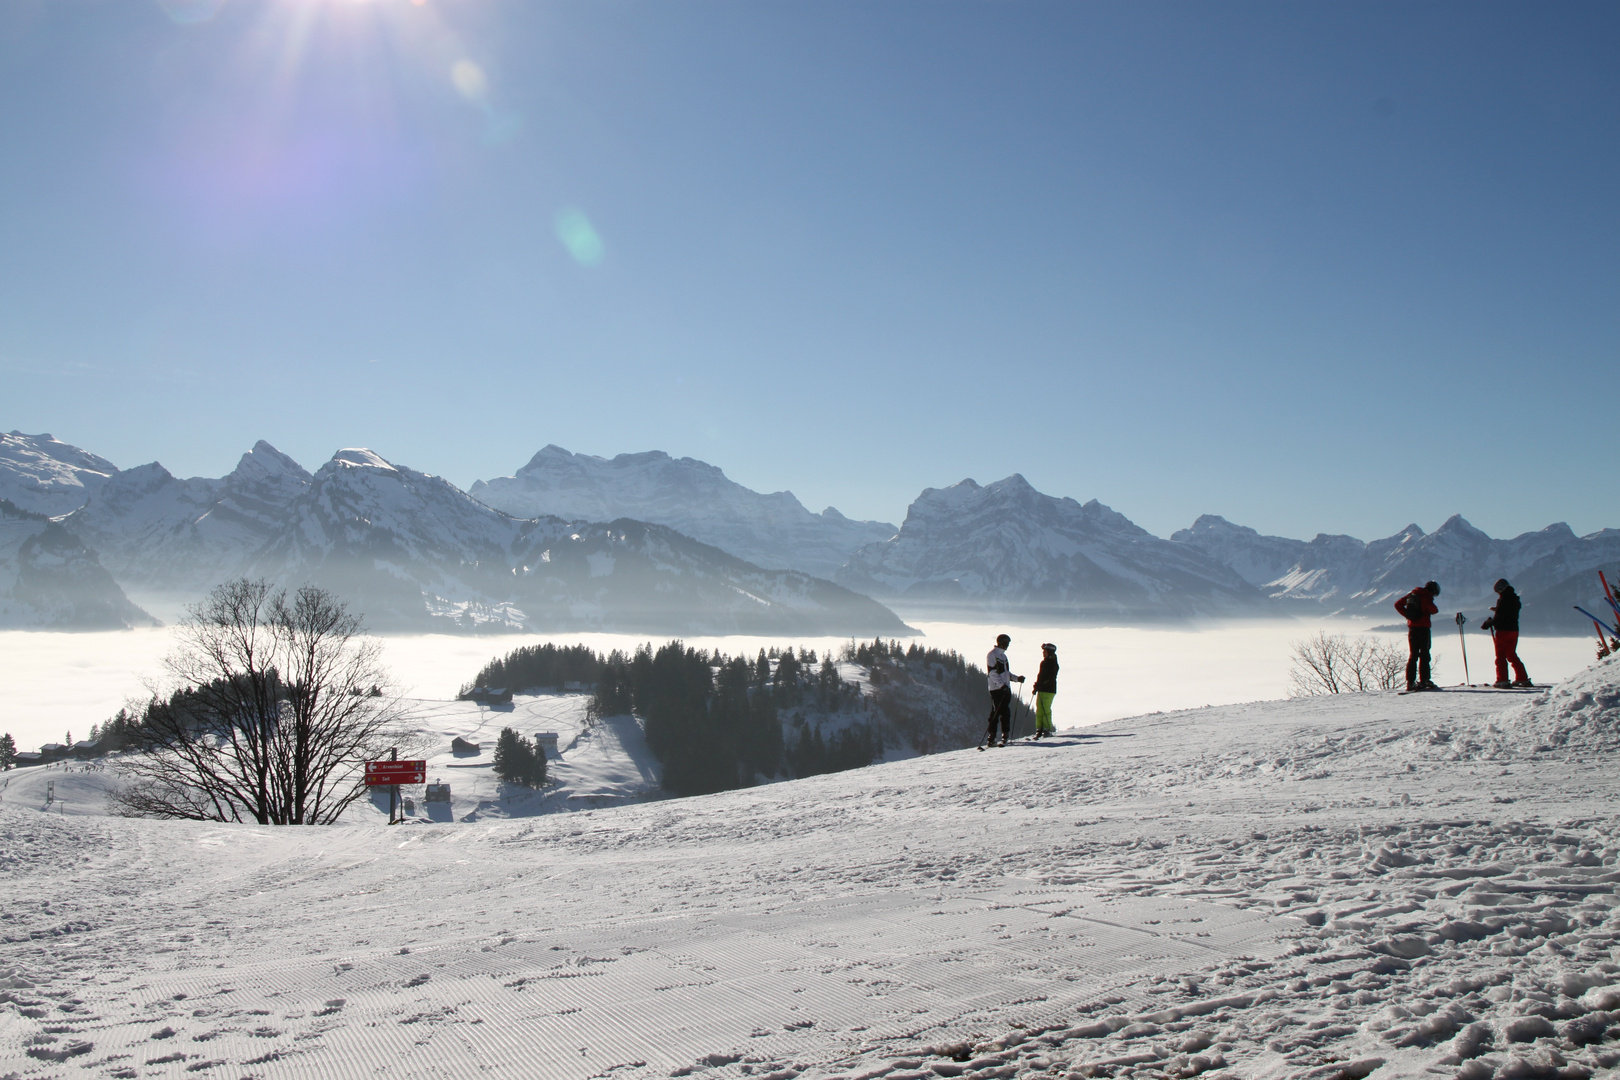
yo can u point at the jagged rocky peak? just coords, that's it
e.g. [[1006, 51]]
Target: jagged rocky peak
[[265, 462], [143, 478], [1213, 525]]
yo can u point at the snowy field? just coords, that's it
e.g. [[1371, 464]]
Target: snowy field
[[1334, 888], [53, 683]]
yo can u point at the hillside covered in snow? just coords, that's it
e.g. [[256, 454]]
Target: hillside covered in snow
[[43, 475], [1362, 886]]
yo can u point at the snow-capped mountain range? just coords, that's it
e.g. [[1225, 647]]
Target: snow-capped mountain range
[[1551, 568], [1007, 549], [411, 551], [650, 543], [689, 496], [416, 552]]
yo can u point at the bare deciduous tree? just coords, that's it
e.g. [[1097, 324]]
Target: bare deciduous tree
[[1337, 664], [274, 715]]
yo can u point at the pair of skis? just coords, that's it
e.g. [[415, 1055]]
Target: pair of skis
[[1468, 689]]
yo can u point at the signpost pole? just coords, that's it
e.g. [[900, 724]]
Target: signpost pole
[[393, 789]]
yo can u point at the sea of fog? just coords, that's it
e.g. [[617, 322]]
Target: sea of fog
[[52, 684]]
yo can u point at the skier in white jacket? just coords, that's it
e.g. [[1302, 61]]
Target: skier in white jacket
[[1000, 675]]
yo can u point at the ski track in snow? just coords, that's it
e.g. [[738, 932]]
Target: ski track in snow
[[1325, 889]]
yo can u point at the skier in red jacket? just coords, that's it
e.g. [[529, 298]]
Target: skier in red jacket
[[1417, 606]]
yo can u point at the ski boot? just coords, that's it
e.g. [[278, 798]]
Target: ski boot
[[1523, 684], [1427, 685], [1502, 684]]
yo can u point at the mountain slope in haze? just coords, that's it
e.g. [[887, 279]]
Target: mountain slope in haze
[[1345, 575], [44, 476], [689, 496], [414, 552], [50, 581], [1008, 549], [170, 537]]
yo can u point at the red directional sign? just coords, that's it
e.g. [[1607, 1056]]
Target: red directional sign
[[395, 772]]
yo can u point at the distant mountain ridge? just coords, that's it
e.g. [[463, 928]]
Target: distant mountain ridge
[[1551, 568], [687, 495], [411, 551], [416, 553], [1006, 549]]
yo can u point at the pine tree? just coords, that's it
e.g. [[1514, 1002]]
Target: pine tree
[[8, 751], [517, 761]]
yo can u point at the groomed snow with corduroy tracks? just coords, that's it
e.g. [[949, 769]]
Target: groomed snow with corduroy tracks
[[1364, 885]]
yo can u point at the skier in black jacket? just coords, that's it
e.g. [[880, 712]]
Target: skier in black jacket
[[1504, 627]]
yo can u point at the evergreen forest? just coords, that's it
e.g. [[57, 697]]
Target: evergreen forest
[[717, 722]]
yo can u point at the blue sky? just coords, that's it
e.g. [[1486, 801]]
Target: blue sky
[[1313, 267]]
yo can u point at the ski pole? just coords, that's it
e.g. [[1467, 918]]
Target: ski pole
[[1461, 619], [1603, 644], [1599, 622]]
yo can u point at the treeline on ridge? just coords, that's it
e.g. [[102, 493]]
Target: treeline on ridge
[[717, 722]]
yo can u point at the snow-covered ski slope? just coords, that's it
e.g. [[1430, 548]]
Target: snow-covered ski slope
[[1365, 885]]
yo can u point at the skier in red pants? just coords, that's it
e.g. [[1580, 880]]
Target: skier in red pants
[[1504, 622]]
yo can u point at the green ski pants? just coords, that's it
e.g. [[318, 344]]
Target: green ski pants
[[1043, 711]]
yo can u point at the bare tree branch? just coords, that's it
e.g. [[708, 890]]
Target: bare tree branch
[[272, 720], [1335, 664]]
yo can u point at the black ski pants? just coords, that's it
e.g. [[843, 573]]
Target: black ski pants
[[1417, 664], [1000, 709]]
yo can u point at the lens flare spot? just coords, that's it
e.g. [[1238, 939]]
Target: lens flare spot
[[579, 237], [190, 12], [469, 80]]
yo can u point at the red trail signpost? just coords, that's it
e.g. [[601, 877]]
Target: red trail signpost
[[395, 772], [391, 774]]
